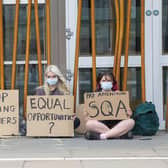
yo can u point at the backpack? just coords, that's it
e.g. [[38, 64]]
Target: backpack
[[146, 120]]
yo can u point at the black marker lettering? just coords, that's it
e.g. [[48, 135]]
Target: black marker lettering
[[4, 95], [121, 105], [57, 103], [107, 103], [41, 103], [49, 103], [33, 103], [64, 104], [92, 105]]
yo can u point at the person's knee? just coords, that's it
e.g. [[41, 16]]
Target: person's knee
[[131, 123], [89, 125]]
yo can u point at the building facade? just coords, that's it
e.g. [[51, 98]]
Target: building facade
[[63, 20]]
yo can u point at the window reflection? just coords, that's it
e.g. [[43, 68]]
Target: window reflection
[[133, 83], [8, 18], [33, 82], [165, 26], [105, 21], [165, 90]]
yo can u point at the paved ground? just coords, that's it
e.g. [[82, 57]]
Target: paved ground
[[26, 152]]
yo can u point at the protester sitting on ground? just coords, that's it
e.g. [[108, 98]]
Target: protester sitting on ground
[[55, 84], [109, 129]]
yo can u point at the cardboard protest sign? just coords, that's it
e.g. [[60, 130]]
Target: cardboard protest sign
[[9, 112], [50, 116], [107, 105]]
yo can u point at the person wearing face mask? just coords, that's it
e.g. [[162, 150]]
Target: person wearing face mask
[[109, 129], [55, 84]]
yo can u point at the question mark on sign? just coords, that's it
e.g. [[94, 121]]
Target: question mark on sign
[[52, 124]]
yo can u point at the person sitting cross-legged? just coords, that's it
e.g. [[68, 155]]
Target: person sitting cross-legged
[[108, 129]]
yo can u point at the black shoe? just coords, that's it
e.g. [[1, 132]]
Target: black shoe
[[76, 123], [90, 135], [128, 135]]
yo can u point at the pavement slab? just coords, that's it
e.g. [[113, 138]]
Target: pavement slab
[[25, 152]]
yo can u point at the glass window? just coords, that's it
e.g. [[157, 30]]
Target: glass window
[[33, 82], [9, 17], [133, 83], [105, 22], [9, 14], [165, 90], [164, 26], [8, 23]]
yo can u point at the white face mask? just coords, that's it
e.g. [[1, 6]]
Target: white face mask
[[52, 81], [106, 85]]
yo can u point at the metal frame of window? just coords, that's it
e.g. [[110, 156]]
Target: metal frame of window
[[10, 2]]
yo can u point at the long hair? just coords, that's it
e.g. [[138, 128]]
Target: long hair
[[61, 86], [99, 77]]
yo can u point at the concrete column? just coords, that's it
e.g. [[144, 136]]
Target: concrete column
[[58, 38]]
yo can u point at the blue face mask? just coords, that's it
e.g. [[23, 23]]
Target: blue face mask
[[52, 81], [106, 85]]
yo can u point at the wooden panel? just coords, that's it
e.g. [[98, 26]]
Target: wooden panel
[[127, 45], [142, 51], [117, 36], [1, 47], [27, 55], [121, 3], [93, 45], [48, 29], [13, 80], [38, 42], [77, 51]]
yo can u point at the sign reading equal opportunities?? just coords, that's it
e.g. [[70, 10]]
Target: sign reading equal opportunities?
[[50, 116], [107, 105], [9, 112]]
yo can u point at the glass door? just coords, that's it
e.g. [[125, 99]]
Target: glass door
[[160, 57]]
